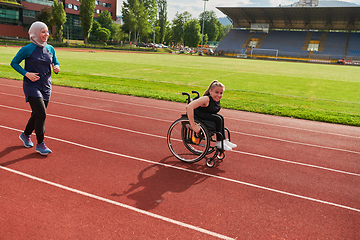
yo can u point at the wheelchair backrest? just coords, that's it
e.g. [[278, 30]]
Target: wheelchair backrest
[[189, 98]]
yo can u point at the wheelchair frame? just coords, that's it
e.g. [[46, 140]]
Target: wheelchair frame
[[187, 146]]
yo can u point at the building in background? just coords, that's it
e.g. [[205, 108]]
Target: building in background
[[17, 16]]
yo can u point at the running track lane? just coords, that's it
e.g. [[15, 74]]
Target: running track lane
[[112, 176]]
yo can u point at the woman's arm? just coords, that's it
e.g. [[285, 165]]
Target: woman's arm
[[23, 53], [201, 102]]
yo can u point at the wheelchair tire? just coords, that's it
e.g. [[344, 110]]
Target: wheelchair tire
[[184, 144]]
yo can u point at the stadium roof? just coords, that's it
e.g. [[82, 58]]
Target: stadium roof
[[317, 18]]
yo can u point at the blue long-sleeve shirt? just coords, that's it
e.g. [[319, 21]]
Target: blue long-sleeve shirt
[[37, 60]]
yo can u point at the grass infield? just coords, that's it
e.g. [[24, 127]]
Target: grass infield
[[319, 92]]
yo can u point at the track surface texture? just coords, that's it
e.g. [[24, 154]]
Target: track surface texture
[[112, 176]]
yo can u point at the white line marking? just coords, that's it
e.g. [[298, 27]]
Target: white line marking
[[150, 214], [297, 163], [163, 137], [296, 128], [294, 142], [236, 119], [201, 173], [241, 133]]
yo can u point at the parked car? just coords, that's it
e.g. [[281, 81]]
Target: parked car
[[141, 44]]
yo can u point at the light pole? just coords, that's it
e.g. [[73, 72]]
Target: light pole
[[202, 32]]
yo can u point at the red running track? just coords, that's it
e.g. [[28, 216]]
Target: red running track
[[111, 175]]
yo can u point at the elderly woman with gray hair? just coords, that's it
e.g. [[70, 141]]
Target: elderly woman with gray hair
[[39, 58]]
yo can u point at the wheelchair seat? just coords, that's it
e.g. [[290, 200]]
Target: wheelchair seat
[[211, 126]]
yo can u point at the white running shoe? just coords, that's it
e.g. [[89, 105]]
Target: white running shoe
[[226, 147], [230, 144]]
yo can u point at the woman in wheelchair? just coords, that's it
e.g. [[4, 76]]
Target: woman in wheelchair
[[207, 108]]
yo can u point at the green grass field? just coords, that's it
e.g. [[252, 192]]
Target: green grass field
[[319, 92]]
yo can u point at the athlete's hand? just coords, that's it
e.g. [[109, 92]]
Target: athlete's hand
[[56, 68], [196, 128], [32, 76]]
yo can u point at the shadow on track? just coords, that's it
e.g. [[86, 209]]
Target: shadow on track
[[157, 180], [9, 150]]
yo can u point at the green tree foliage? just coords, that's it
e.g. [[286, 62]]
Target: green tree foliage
[[211, 25], [45, 16], [178, 26], [86, 16], [59, 18], [106, 21], [103, 34], [162, 22], [192, 33], [136, 19]]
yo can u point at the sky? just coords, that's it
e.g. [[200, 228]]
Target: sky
[[195, 7]]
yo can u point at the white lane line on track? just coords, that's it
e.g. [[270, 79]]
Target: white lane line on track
[[295, 128], [241, 133], [150, 214], [293, 142], [197, 172], [297, 163], [235, 119], [162, 137]]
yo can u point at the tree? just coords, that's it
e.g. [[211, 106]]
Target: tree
[[130, 22], [106, 21], [136, 19], [59, 18], [162, 6], [178, 26], [192, 33], [211, 27], [45, 16], [103, 34], [86, 16]]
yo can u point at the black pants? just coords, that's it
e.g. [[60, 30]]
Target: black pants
[[216, 118], [37, 119]]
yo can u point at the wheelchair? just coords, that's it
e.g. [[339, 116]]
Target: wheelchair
[[191, 147]]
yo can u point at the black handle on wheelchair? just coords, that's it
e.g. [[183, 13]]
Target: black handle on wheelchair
[[188, 96], [197, 93]]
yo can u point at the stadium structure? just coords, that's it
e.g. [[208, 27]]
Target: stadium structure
[[306, 30]]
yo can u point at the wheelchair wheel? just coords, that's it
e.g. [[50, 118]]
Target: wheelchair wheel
[[185, 144]]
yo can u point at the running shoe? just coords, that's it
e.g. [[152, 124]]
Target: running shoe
[[26, 140], [42, 149], [230, 144], [226, 147]]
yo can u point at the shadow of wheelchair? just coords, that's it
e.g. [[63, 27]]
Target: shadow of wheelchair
[[158, 180]]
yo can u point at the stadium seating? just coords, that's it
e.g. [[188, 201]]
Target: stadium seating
[[334, 45], [354, 45], [288, 43], [233, 41]]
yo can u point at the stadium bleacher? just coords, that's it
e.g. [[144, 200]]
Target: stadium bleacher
[[233, 41], [335, 45], [288, 43], [354, 45]]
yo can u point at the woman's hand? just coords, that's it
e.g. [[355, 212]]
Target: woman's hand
[[32, 76], [56, 68], [196, 128]]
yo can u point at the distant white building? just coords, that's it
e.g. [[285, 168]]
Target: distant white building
[[323, 3], [119, 20], [306, 3]]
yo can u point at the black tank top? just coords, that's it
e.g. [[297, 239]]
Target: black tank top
[[213, 107]]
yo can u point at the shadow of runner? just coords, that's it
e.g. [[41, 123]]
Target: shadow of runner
[[9, 150], [156, 180]]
